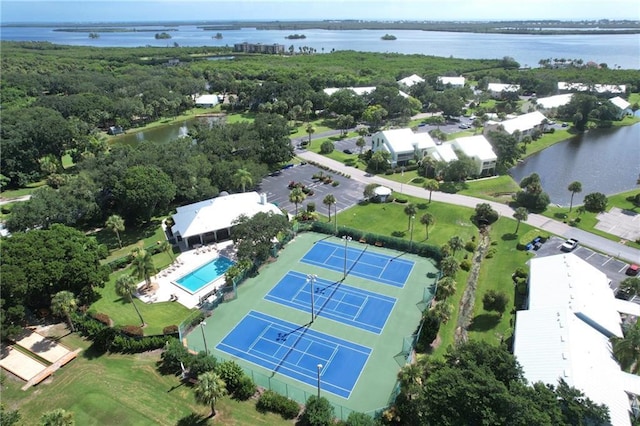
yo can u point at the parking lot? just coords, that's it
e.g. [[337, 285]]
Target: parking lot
[[347, 193], [613, 268]]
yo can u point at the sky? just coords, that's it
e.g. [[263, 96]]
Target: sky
[[85, 11]]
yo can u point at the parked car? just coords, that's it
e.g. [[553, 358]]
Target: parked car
[[347, 151], [632, 270], [569, 245], [464, 126]]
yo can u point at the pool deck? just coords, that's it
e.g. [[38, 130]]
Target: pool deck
[[185, 262]]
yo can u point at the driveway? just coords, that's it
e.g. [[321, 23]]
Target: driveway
[[347, 193]]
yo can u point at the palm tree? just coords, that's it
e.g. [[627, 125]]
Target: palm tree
[[57, 417], [442, 311], [328, 201], [242, 178], [166, 247], [143, 267], [310, 130], [520, 214], [360, 143], [116, 224], [296, 196], [449, 266], [410, 210], [209, 388], [627, 349], [410, 378], [63, 303], [456, 244], [431, 185], [427, 220], [125, 287], [446, 288], [574, 187]]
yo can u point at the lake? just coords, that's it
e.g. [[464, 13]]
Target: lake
[[616, 50], [603, 160]]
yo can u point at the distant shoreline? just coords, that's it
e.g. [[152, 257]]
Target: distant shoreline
[[493, 27]]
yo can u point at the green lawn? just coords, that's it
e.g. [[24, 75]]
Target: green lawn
[[27, 190], [498, 188], [146, 235], [246, 117], [119, 390], [588, 220]]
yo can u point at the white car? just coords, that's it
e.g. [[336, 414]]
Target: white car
[[569, 245]]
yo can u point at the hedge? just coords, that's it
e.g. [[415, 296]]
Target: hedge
[[276, 403]]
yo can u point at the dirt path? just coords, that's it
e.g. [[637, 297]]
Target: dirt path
[[469, 296]]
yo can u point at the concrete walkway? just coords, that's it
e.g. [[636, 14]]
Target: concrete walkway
[[588, 239]]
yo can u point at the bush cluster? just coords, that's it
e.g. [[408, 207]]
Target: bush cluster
[[276, 403], [103, 318], [470, 246], [465, 265], [132, 330], [170, 329]]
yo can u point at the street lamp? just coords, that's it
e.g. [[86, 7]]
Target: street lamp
[[311, 278], [346, 239], [411, 233], [204, 339], [335, 216], [319, 368]]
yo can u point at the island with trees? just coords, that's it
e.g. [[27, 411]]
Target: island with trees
[[296, 37], [163, 36], [388, 37]]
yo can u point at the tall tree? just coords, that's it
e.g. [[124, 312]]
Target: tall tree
[[310, 130], [520, 214], [410, 210], [328, 201], [209, 388], [449, 266], [116, 224], [456, 244], [142, 192], [125, 287], [63, 303], [442, 310], [142, 264], [574, 187], [242, 178], [317, 412], [166, 247], [431, 185], [296, 196], [446, 288], [361, 143], [254, 235], [627, 349], [427, 220]]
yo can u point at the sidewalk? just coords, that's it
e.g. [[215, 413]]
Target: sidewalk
[[588, 239]]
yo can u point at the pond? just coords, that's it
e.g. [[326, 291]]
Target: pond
[[168, 132], [603, 160]]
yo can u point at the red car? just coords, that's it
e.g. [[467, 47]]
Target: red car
[[633, 270]]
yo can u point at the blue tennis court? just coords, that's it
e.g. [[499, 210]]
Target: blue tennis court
[[372, 266], [349, 305], [295, 351]]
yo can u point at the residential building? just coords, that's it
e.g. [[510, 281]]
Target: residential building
[[452, 81], [403, 145], [564, 332], [206, 101], [553, 102], [523, 125], [479, 150], [443, 153], [273, 49], [565, 87], [624, 107], [496, 90], [411, 80], [212, 220], [360, 91]]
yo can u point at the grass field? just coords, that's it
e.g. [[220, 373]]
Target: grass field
[[120, 390], [588, 220], [376, 382]]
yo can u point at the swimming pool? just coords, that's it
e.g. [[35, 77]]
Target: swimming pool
[[195, 280]]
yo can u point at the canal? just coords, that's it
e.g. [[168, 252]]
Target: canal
[[603, 160]]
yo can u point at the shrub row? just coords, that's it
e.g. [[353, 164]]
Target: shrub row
[[124, 261], [276, 403], [329, 169], [424, 250], [115, 339]]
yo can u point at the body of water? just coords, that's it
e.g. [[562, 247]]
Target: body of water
[[603, 160], [165, 133], [614, 50]]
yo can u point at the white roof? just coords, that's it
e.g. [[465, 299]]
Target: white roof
[[219, 213], [475, 146], [207, 100], [444, 153], [552, 343], [499, 87], [357, 90], [523, 122], [382, 190], [404, 141], [555, 101], [411, 80], [565, 281], [403, 94], [620, 103], [599, 88], [423, 141], [454, 81]]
